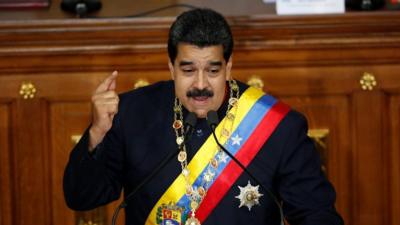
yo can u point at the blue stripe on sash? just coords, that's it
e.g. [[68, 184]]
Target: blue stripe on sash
[[244, 130]]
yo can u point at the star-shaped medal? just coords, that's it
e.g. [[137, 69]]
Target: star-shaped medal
[[249, 196], [209, 175], [222, 157], [236, 140]]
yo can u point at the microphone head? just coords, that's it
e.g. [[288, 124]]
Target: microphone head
[[191, 120], [212, 118], [81, 7]]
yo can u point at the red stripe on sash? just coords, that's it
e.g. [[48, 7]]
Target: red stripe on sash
[[245, 155]]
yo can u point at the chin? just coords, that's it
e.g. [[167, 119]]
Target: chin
[[201, 113]]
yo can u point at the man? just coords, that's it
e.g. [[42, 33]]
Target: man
[[133, 133]]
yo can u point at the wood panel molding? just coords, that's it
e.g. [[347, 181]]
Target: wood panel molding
[[138, 43], [332, 113], [30, 159], [394, 159], [6, 200]]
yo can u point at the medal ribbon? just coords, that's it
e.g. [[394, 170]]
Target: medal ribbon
[[256, 117]]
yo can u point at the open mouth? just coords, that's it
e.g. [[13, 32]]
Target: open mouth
[[200, 101], [200, 98]]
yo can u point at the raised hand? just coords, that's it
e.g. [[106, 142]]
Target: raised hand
[[104, 107]]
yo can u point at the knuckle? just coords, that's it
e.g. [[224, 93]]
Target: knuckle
[[113, 94]]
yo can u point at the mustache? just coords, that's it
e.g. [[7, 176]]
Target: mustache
[[199, 93]]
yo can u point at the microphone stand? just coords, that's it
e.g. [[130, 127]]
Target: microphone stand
[[190, 121], [145, 181]]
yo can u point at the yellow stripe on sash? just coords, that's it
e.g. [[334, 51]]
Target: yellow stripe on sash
[[207, 151]]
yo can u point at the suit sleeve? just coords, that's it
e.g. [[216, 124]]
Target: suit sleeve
[[308, 197], [92, 180]]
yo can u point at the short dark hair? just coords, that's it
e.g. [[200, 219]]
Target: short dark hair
[[201, 27]]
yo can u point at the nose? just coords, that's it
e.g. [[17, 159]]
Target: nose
[[201, 81]]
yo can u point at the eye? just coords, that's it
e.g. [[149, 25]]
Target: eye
[[187, 70], [214, 71]]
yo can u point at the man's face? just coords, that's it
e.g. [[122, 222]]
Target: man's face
[[200, 76]]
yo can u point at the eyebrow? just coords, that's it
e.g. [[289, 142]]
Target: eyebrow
[[216, 63], [212, 63], [185, 63]]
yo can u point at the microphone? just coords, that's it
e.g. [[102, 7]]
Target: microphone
[[212, 121], [190, 123], [81, 7]]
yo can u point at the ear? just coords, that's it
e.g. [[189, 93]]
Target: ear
[[171, 69], [228, 69]]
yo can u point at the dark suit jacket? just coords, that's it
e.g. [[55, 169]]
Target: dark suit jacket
[[142, 136]]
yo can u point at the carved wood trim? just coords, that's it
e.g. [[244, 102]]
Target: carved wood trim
[[140, 43], [149, 34]]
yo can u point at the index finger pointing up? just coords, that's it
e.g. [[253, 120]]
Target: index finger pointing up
[[105, 85]]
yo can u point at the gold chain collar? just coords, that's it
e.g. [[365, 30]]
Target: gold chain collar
[[197, 194]]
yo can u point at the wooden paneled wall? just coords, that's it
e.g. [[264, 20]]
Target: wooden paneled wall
[[321, 65], [158, 8]]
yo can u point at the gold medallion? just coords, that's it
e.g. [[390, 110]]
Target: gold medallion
[[189, 190], [214, 163], [192, 221], [185, 172], [177, 124], [180, 140], [182, 156], [194, 205], [225, 132], [202, 192], [230, 116], [233, 101]]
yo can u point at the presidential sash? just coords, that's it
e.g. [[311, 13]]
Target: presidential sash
[[256, 117]]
